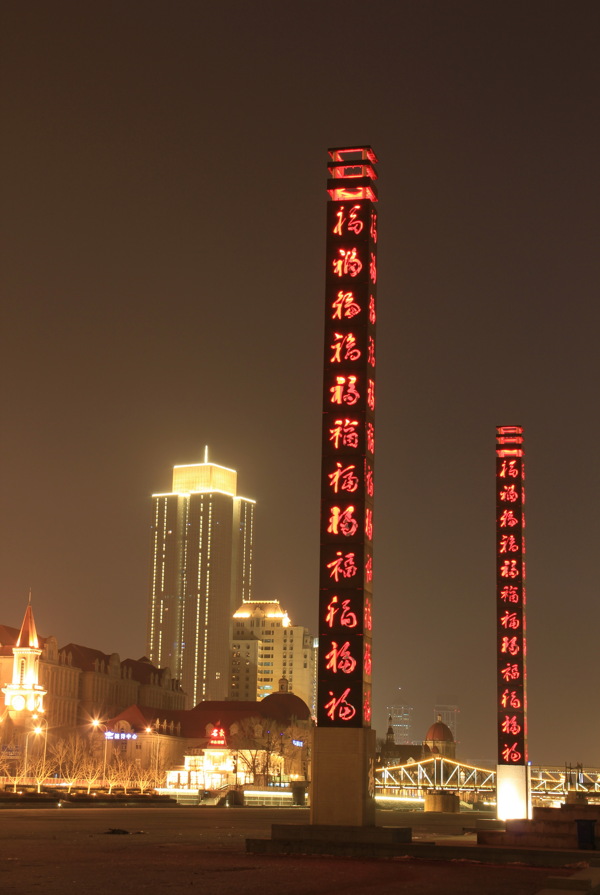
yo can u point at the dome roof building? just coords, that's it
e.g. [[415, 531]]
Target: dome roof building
[[439, 740]]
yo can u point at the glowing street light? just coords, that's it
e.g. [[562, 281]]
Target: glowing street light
[[99, 725]]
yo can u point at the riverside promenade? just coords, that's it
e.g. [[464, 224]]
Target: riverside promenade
[[185, 849]]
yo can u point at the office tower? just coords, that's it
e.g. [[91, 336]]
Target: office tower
[[201, 572], [401, 722], [447, 711], [268, 652]]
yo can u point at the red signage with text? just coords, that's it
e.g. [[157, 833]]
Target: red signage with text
[[348, 443], [510, 601]]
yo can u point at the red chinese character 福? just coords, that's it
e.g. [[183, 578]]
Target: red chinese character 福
[[343, 478], [508, 519], [342, 566], [508, 468], [342, 522], [510, 645], [347, 618], [373, 226], [344, 433], [369, 480], [510, 753], [368, 618], [344, 710], [510, 672], [352, 222], [508, 544], [367, 712], [345, 305], [371, 437], [344, 391], [371, 394], [509, 569], [369, 524], [367, 664], [511, 725], [510, 620], [372, 314], [348, 263], [373, 268], [509, 493], [344, 348], [510, 699], [369, 569], [339, 658], [510, 594], [371, 351]]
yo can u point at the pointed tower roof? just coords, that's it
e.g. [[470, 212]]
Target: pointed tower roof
[[28, 636]]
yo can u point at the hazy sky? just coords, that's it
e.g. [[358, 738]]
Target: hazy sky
[[163, 210]]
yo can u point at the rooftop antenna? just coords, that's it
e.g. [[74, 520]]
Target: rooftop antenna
[[206, 453]]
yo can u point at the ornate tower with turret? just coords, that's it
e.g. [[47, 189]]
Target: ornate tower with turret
[[25, 693]]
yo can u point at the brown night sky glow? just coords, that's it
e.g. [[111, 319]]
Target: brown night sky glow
[[163, 274]]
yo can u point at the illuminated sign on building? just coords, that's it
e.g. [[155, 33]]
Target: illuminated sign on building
[[119, 735], [217, 738], [348, 445], [510, 601]]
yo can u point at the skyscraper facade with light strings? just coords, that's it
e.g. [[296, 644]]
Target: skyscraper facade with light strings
[[201, 571]]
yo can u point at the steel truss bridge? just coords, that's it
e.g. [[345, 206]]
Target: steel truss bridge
[[414, 779], [417, 777]]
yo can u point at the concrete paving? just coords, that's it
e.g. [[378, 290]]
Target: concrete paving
[[138, 850]]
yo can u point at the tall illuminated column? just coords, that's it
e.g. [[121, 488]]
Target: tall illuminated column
[[512, 781], [344, 742]]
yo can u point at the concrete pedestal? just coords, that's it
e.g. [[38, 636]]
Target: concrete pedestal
[[343, 777], [513, 795]]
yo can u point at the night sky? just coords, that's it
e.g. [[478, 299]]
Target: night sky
[[163, 243]]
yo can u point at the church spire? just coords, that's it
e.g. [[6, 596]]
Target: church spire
[[28, 636], [25, 693]]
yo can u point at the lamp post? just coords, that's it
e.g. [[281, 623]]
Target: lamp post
[[150, 731], [98, 725], [41, 726]]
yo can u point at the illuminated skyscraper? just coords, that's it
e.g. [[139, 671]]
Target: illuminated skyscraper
[[201, 573], [266, 649], [401, 722]]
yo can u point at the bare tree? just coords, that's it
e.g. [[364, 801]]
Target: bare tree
[[70, 756], [246, 740], [125, 771], [92, 770], [112, 775], [40, 766], [144, 778]]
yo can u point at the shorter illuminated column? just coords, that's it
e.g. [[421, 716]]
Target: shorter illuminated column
[[512, 786]]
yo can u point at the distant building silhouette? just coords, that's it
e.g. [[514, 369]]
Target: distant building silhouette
[[201, 572], [448, 711], [401, 721]]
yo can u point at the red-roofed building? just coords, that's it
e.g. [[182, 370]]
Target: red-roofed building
[[278, 725]]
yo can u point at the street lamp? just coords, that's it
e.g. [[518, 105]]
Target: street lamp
[[152, 730], [98, 725], [41, 726]]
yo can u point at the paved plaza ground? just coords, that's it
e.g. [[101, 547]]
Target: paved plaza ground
[[183, 849]]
